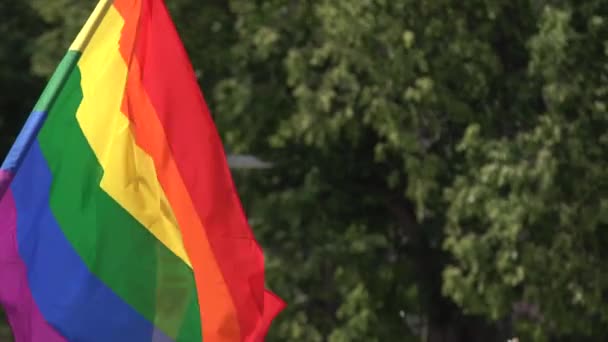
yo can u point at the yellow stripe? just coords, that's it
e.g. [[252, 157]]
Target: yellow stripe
[[129, 172]]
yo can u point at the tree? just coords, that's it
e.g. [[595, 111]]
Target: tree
[[528, 214], [427, 148], [19, 25]]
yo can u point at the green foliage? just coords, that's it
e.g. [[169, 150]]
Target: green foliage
[[527, 219], [440, 166], [19, 25], [65, 18]]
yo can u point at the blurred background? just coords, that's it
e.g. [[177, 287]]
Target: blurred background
[[438, 168]]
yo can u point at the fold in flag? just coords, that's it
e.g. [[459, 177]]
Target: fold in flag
[[119, 220]]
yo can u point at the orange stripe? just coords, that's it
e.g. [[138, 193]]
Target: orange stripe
[[217, 310]]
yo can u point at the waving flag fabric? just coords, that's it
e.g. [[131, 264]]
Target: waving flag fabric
[[119, 220]]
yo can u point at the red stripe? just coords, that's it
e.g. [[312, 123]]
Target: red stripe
[[169, 81]]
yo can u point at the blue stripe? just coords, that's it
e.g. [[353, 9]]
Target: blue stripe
[[70, 297], [24, 140]]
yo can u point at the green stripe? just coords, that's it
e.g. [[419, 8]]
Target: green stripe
[[115, 247]]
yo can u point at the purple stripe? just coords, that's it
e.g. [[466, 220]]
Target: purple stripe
[[15, 295]]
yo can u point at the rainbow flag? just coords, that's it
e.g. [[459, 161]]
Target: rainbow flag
[[119, 220]]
